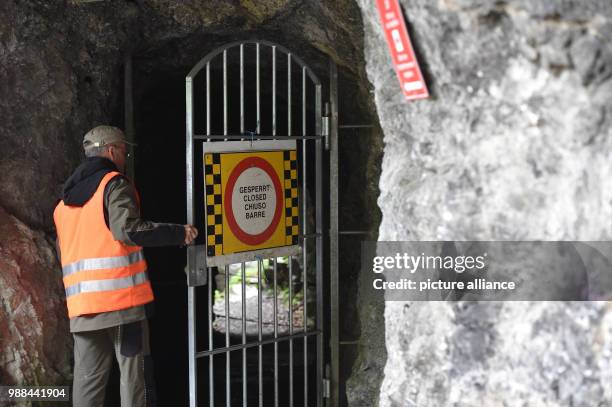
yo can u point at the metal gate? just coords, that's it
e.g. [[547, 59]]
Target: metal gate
[[250, 91]]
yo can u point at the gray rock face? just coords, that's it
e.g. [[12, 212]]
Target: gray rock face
[[536, 354], [251, 316], [52, 90], [514, 144]]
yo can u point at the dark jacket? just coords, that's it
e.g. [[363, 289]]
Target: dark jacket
[[121, 208], [122, 215]]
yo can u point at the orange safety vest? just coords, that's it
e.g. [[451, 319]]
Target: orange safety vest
[[101, 274]]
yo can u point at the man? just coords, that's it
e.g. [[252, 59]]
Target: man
[[100, 240]]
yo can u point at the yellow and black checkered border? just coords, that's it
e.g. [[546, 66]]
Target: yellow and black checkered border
[[292, 206], [214, 208]]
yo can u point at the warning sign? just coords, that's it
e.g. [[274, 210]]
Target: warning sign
[[251, 200]]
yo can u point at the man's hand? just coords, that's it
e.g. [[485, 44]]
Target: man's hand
[[190, 234]]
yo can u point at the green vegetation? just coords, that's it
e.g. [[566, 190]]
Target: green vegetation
[[251, 277]]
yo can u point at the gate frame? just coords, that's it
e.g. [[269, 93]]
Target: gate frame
[[197, 271]]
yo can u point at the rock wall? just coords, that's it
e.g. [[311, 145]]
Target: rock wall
[[34, 346], [59, 73], [514, 144], [55, 83]]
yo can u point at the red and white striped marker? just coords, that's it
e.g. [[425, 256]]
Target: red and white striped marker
[[405, 62]]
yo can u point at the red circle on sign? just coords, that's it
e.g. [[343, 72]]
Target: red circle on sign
[[243, 236]]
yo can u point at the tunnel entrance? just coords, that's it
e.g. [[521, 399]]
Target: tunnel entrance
[[287, 370], [159, 111]]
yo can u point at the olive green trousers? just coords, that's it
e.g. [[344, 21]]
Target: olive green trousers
[[94, 352]]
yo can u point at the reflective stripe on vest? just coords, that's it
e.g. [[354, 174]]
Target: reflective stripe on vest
[[100, 274], [103, 263], [91, 286]]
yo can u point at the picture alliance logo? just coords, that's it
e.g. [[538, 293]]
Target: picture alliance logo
[[412, 264]]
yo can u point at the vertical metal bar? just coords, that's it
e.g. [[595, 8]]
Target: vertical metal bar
[[259, 334], [208, 98], [290, 331], [274, 271], [304, 114], [228, 398], [258, 124], [333, 236], [319, 244], [225, 92], [290, 257], [193, 391], [244, 351], [189, 165], [191, 303], [242, 91], [211, 377], [273, 90], [211, 366], [288, 94], [304, 241]]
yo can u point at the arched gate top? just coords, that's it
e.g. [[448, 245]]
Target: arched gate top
[[211, 55]]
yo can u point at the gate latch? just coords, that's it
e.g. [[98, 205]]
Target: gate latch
[[198, 274]]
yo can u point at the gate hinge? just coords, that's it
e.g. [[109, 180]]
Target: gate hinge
[[325, 130], [325, 120], [326, 388]]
